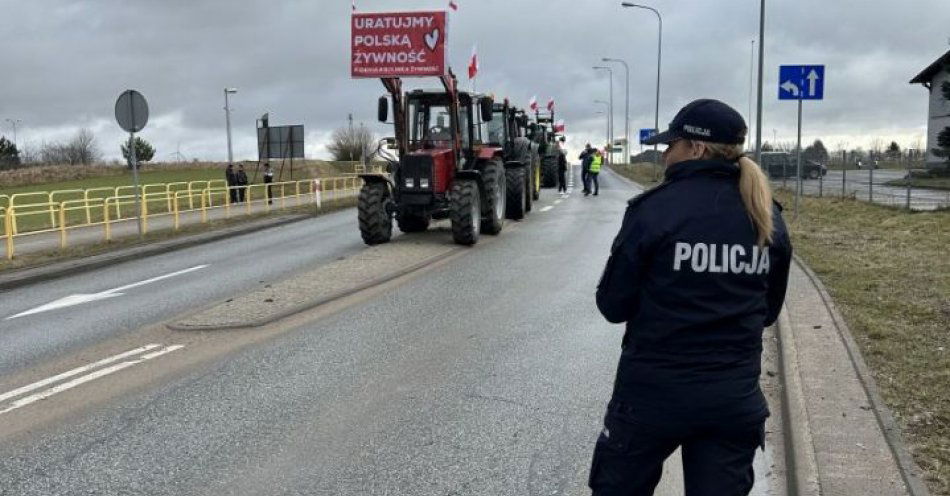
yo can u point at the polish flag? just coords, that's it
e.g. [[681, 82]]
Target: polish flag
[[473, 64], [551, 105], [454, 6], [533, 104], [559, 127]]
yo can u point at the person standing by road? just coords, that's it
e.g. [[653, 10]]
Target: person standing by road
[[596, 163], [562, 172], [268, 179], [241, 183], [230, 178], [698, 269], [586, 157]]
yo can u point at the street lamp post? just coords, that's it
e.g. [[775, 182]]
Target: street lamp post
[[227, 118], [659, 63], [626, 109], [607, 113], [14, 122], [610, 137]]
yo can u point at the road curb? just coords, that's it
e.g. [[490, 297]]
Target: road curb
[[24, 277], [270, 319], [800, 459], [910, 472]]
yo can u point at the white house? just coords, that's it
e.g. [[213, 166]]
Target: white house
[[939, 114]]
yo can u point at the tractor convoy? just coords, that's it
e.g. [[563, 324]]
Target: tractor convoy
[[462, 156]]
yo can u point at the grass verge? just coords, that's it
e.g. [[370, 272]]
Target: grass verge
[[889, 273], [941, 183], [642, 173], [73, 253]]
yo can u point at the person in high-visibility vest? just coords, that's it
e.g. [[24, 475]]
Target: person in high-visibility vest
[[594, 172]]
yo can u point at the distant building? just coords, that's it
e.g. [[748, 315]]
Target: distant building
[[938, 116]]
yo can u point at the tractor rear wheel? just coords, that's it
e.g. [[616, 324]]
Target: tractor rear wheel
[[376, 224], [528, 188], [493, 206], [411, 222], [516, 203], [465, 212]]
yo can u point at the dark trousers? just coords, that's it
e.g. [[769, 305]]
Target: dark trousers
[[592, 178], [717, 460], [242, 192], [584, 179], [232, 193], [562, 180], [270, 191]]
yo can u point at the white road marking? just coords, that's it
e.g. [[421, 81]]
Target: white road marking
[[22, 402], [549, 207], [79, 299], [75, 371], [557, 201]]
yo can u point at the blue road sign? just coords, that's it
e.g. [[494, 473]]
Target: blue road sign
[[646, 133], [801, 82]]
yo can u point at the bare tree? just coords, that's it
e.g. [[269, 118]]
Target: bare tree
[[81, 149], [352, 143]]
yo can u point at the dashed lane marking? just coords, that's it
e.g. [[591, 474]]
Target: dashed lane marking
[[549, 207]]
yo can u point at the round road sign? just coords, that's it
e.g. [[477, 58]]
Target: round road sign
[[131, 111]]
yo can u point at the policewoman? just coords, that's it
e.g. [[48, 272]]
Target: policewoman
[[698, 269]]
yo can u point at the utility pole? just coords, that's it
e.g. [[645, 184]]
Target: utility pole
[[659, 64], [758, 116], [751, 86], [227, 117]]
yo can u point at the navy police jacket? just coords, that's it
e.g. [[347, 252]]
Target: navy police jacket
[[695, 291]]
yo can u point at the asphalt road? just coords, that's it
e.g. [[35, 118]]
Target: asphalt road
[[231, 266], [485, 375], [858, 183]]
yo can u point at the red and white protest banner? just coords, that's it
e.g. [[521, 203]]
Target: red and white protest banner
[[399, 44]]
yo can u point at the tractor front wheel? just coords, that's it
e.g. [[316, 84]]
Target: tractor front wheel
[[465, 212], [376, 224], [516, 203], [493, 208]]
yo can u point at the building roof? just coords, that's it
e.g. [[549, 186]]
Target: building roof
[[928, 74]]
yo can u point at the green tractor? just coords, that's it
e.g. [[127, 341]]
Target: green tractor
[[548, 149]]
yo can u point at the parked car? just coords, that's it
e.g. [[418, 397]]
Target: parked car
[[782, 164]]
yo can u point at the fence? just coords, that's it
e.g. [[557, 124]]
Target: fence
[[23, 214], [862, 185]]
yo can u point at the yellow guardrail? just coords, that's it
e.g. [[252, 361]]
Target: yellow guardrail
[[64, 210]]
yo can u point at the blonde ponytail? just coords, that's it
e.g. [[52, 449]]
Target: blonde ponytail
[[757, 197], [754, 188]]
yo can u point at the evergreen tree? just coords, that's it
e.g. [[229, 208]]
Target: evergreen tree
[[144, 151], [9, 155], [894, 151], [816, 152]]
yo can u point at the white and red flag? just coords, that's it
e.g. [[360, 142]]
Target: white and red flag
[[473, 63], [454, 6], [551, 105], [533, 103], [559, 127]]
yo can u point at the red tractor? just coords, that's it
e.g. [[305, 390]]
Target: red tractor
[[448, 167]]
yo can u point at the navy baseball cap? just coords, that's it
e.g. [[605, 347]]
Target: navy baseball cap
[[704, 120]]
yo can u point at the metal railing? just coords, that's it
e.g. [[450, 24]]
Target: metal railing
[[88, 208]]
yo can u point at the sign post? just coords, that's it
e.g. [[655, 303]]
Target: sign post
[[801, 82], [131, 112]]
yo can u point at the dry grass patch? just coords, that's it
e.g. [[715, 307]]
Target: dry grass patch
[[642, 173], [889, 273]]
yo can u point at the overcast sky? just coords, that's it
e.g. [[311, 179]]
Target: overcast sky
[[65, 62]]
